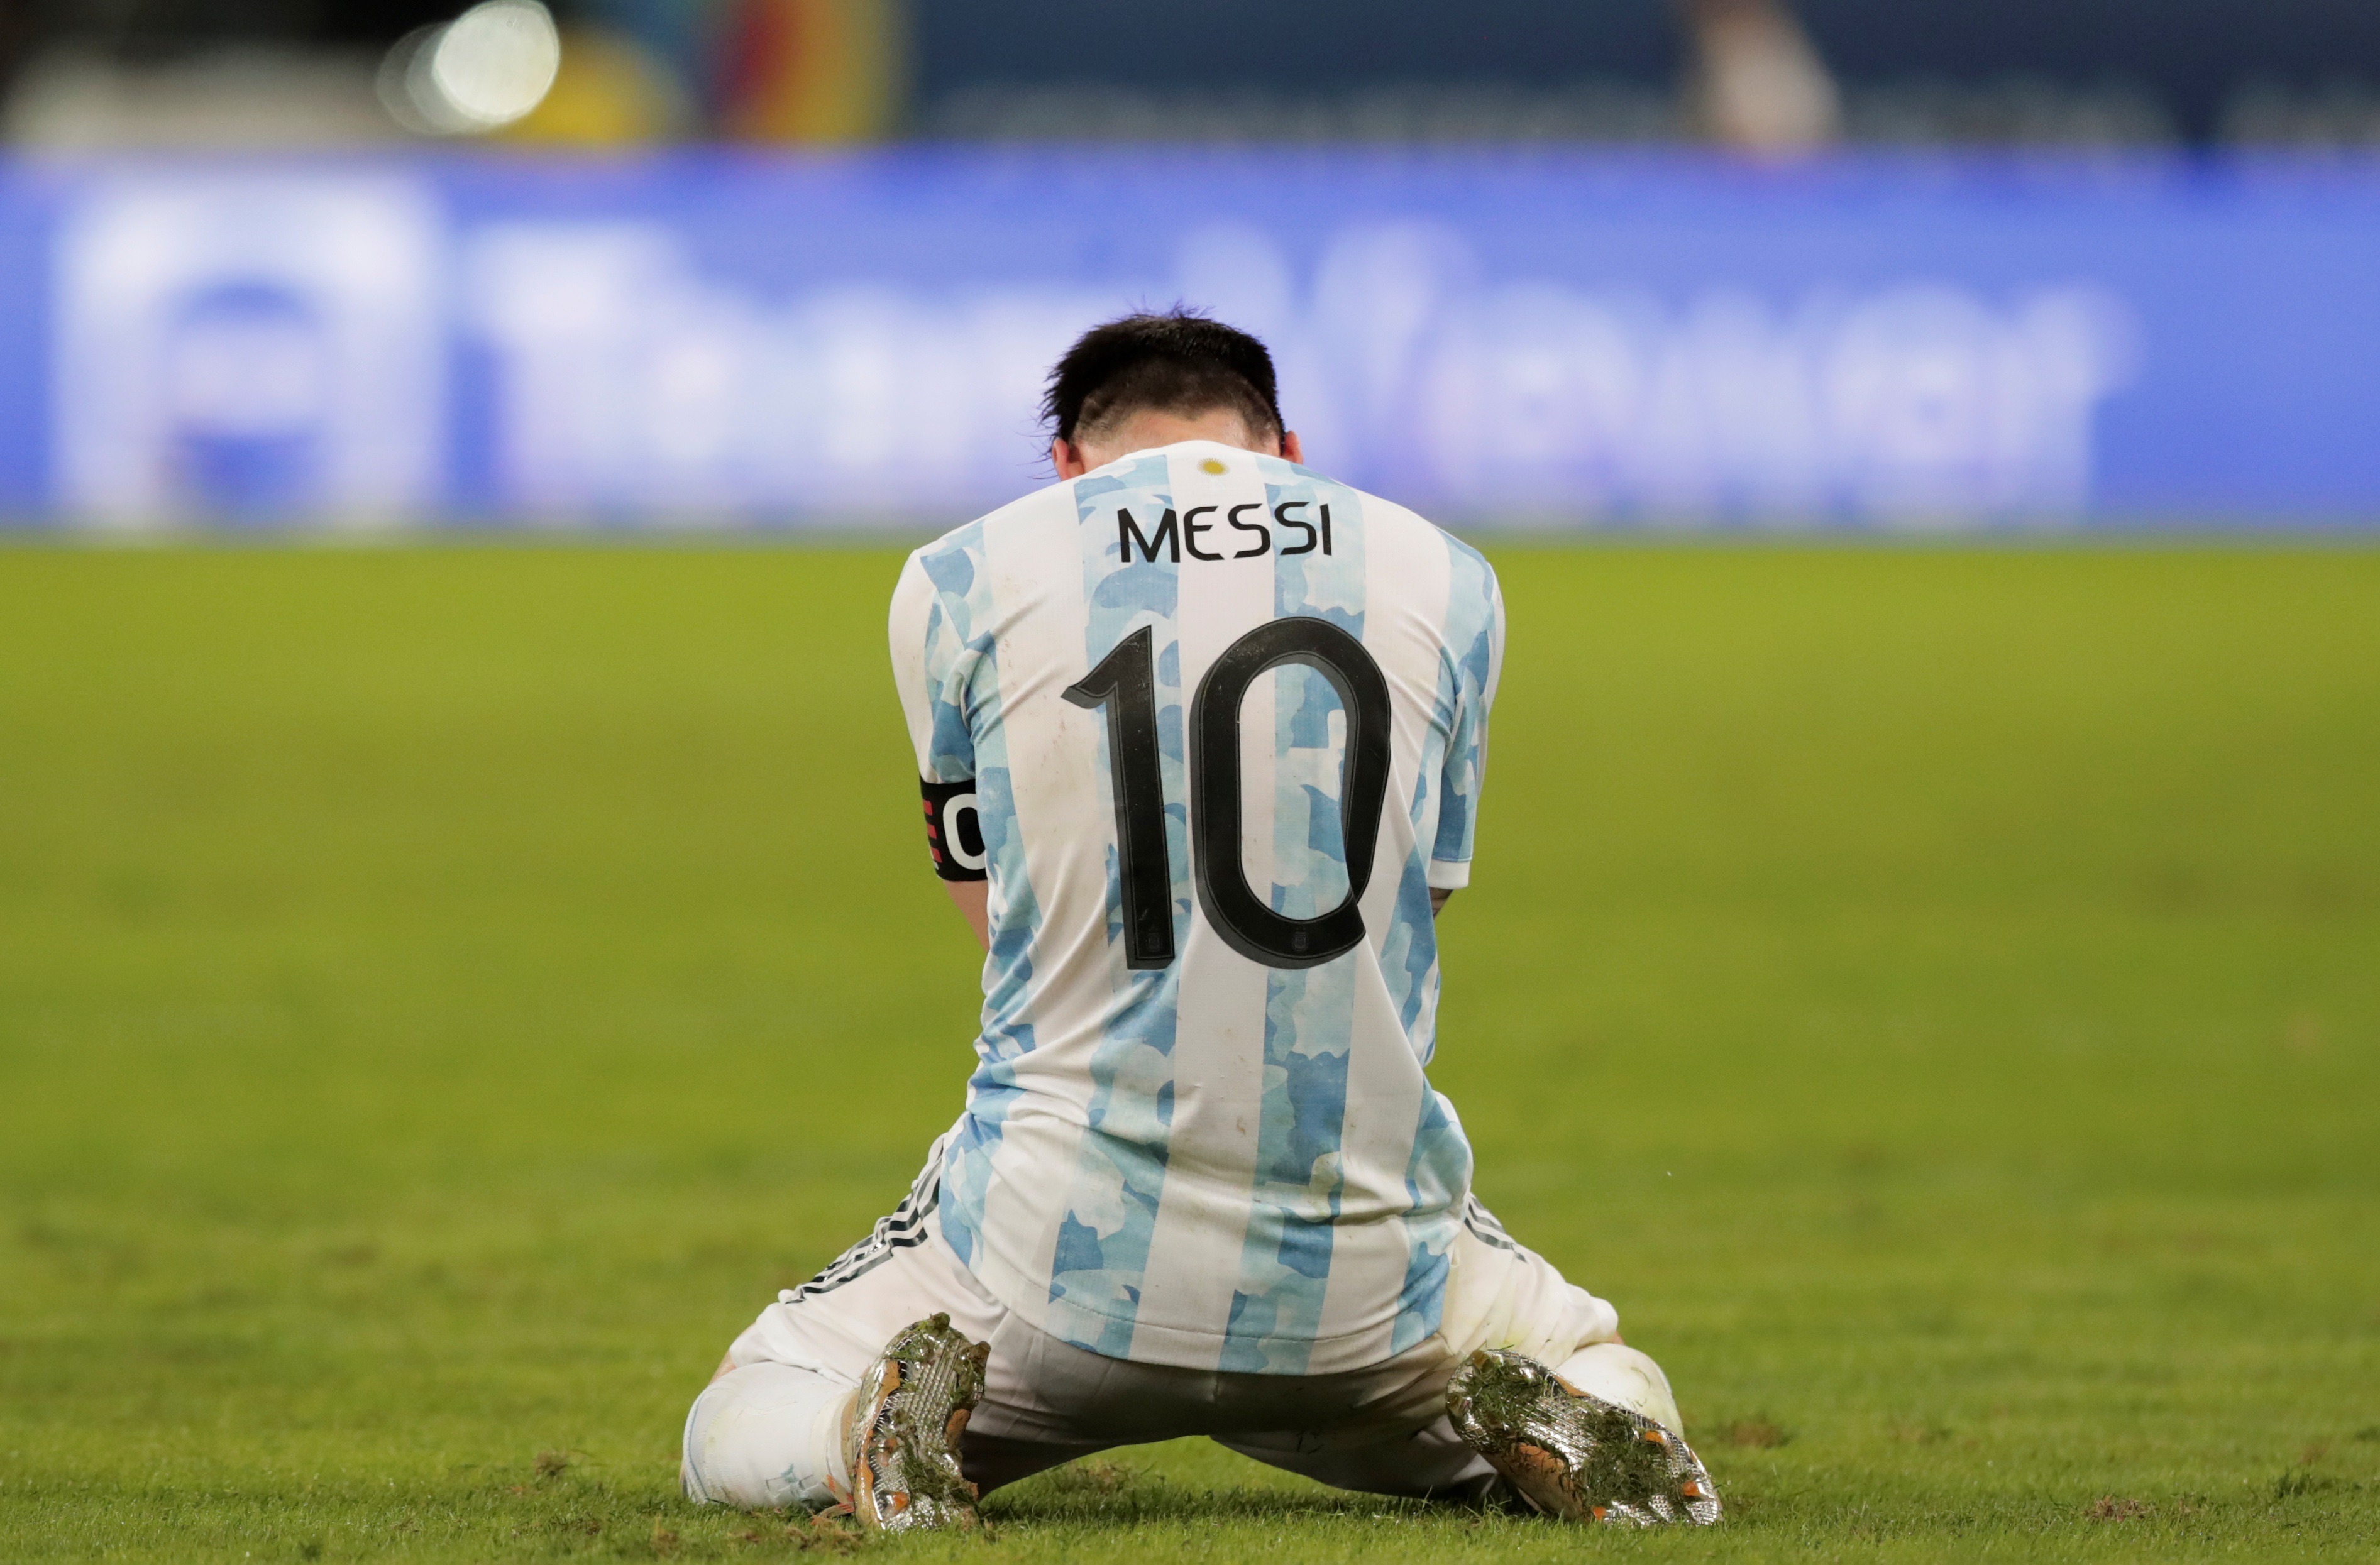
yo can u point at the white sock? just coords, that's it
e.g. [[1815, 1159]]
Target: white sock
[[767, 1436], [1622, 1375]]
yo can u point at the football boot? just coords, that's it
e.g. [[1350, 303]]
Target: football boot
[[903, 1443], [1573, 1455]]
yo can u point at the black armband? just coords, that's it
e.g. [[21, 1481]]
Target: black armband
[[954, 829]]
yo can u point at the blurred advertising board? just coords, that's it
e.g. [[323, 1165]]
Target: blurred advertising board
[[1560, 339]]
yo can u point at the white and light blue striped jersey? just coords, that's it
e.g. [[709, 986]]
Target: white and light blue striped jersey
[[1223, 722]]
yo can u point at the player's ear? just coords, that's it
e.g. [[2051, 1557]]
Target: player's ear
[[1292, 447], [1067, 457]]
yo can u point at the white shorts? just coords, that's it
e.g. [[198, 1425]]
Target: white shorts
[[1382, 1429]]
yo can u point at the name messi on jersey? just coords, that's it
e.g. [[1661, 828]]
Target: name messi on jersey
[[1184, 534]]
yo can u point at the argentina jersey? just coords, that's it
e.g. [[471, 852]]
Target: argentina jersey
[[1213, 727]]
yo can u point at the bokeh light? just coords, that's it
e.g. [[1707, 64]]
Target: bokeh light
[[485, 69]]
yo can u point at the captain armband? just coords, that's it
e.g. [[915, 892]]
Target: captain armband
[[954, 829]]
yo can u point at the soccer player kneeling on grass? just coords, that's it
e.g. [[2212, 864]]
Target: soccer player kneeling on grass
[[1201, 735]]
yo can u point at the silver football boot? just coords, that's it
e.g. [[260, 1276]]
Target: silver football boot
[[1573, 1455], [903, 1443]]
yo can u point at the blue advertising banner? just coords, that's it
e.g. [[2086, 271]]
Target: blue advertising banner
[[1520, 338]]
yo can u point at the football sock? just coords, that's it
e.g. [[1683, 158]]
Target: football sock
[[1624, 1377], [766, 1436]]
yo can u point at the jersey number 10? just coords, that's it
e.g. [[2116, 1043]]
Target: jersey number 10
[[1125, 685]]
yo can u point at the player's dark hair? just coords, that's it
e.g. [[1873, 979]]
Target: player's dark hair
[[1179, 363]]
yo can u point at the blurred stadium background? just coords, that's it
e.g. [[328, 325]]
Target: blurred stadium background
[[800, 262]]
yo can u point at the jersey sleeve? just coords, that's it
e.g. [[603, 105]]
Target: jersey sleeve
[[1477, 651], [930, 665]]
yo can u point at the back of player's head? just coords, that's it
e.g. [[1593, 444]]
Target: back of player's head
[[1179, 363]]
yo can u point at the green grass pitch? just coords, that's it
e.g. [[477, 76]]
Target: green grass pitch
[[1936, 993]]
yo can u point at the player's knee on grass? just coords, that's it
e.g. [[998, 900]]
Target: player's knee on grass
[[1625, 1378], [767, 1436]]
